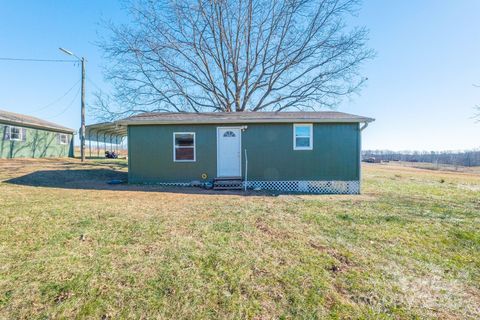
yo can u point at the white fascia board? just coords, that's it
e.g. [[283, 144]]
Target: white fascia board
[[241, 121]]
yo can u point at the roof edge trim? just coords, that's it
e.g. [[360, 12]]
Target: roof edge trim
[[36, 126], [237, 121]]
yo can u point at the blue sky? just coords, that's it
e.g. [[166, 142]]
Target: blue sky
[[420, 87]]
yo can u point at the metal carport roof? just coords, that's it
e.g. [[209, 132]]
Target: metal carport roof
[[102, 130], [108, 134]]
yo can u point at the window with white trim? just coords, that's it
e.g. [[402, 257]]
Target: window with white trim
[[15, 133], [184, 146], [63, 138], [303, 136]]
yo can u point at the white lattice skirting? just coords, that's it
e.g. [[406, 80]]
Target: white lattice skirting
[[329, 187], [302, 186], [173, 184]]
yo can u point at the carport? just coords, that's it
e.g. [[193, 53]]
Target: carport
[[105, 136]]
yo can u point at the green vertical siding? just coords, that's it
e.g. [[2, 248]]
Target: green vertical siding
[[271, 156], [335, 154], [150, 154], [38, 144]]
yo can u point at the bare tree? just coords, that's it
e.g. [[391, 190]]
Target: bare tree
[[234, 55]]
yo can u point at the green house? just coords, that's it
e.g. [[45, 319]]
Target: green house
[[23, 136], [315, 152]]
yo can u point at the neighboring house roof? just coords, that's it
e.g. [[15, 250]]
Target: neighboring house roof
[[28, 121], [242, 117]]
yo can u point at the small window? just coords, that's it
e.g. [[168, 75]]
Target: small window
[[229, 134], [63, 139], [15, 133], [183, 146], [302, 137]]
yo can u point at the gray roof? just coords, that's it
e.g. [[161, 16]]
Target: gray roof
[[28, 121], [241, 117], [106, 130]]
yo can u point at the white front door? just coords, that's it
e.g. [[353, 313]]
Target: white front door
[[229, 152]]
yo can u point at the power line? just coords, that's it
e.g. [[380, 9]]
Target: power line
[[58, 99], [95, 85], [68, 106], [35, 60]]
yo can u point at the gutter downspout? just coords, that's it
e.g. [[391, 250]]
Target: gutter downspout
[[365, 125]]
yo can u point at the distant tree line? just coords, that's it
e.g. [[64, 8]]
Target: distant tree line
[[467, 158]]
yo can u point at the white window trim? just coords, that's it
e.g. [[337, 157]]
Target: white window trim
[[310, 125], [194, 147], [66, 138], [20, 133]]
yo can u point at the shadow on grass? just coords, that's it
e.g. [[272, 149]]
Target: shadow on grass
[[70, 179], [97, 179]]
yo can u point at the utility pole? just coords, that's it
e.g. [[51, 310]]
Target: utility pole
[[82, 103], [82, 128]]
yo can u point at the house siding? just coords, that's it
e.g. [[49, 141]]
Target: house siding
[[334, 157], [38, 144]]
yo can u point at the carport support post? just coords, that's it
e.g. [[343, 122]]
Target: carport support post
[[98, 147], [105, 142]]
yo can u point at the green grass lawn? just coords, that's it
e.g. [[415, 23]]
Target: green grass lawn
[[72, 246]]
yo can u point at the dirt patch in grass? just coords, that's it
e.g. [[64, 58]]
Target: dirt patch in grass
[[266, 229], [341, 262]]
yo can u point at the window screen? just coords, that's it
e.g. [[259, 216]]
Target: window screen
[[302, 137], [184, 146], [63, 139], [15, 133]]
